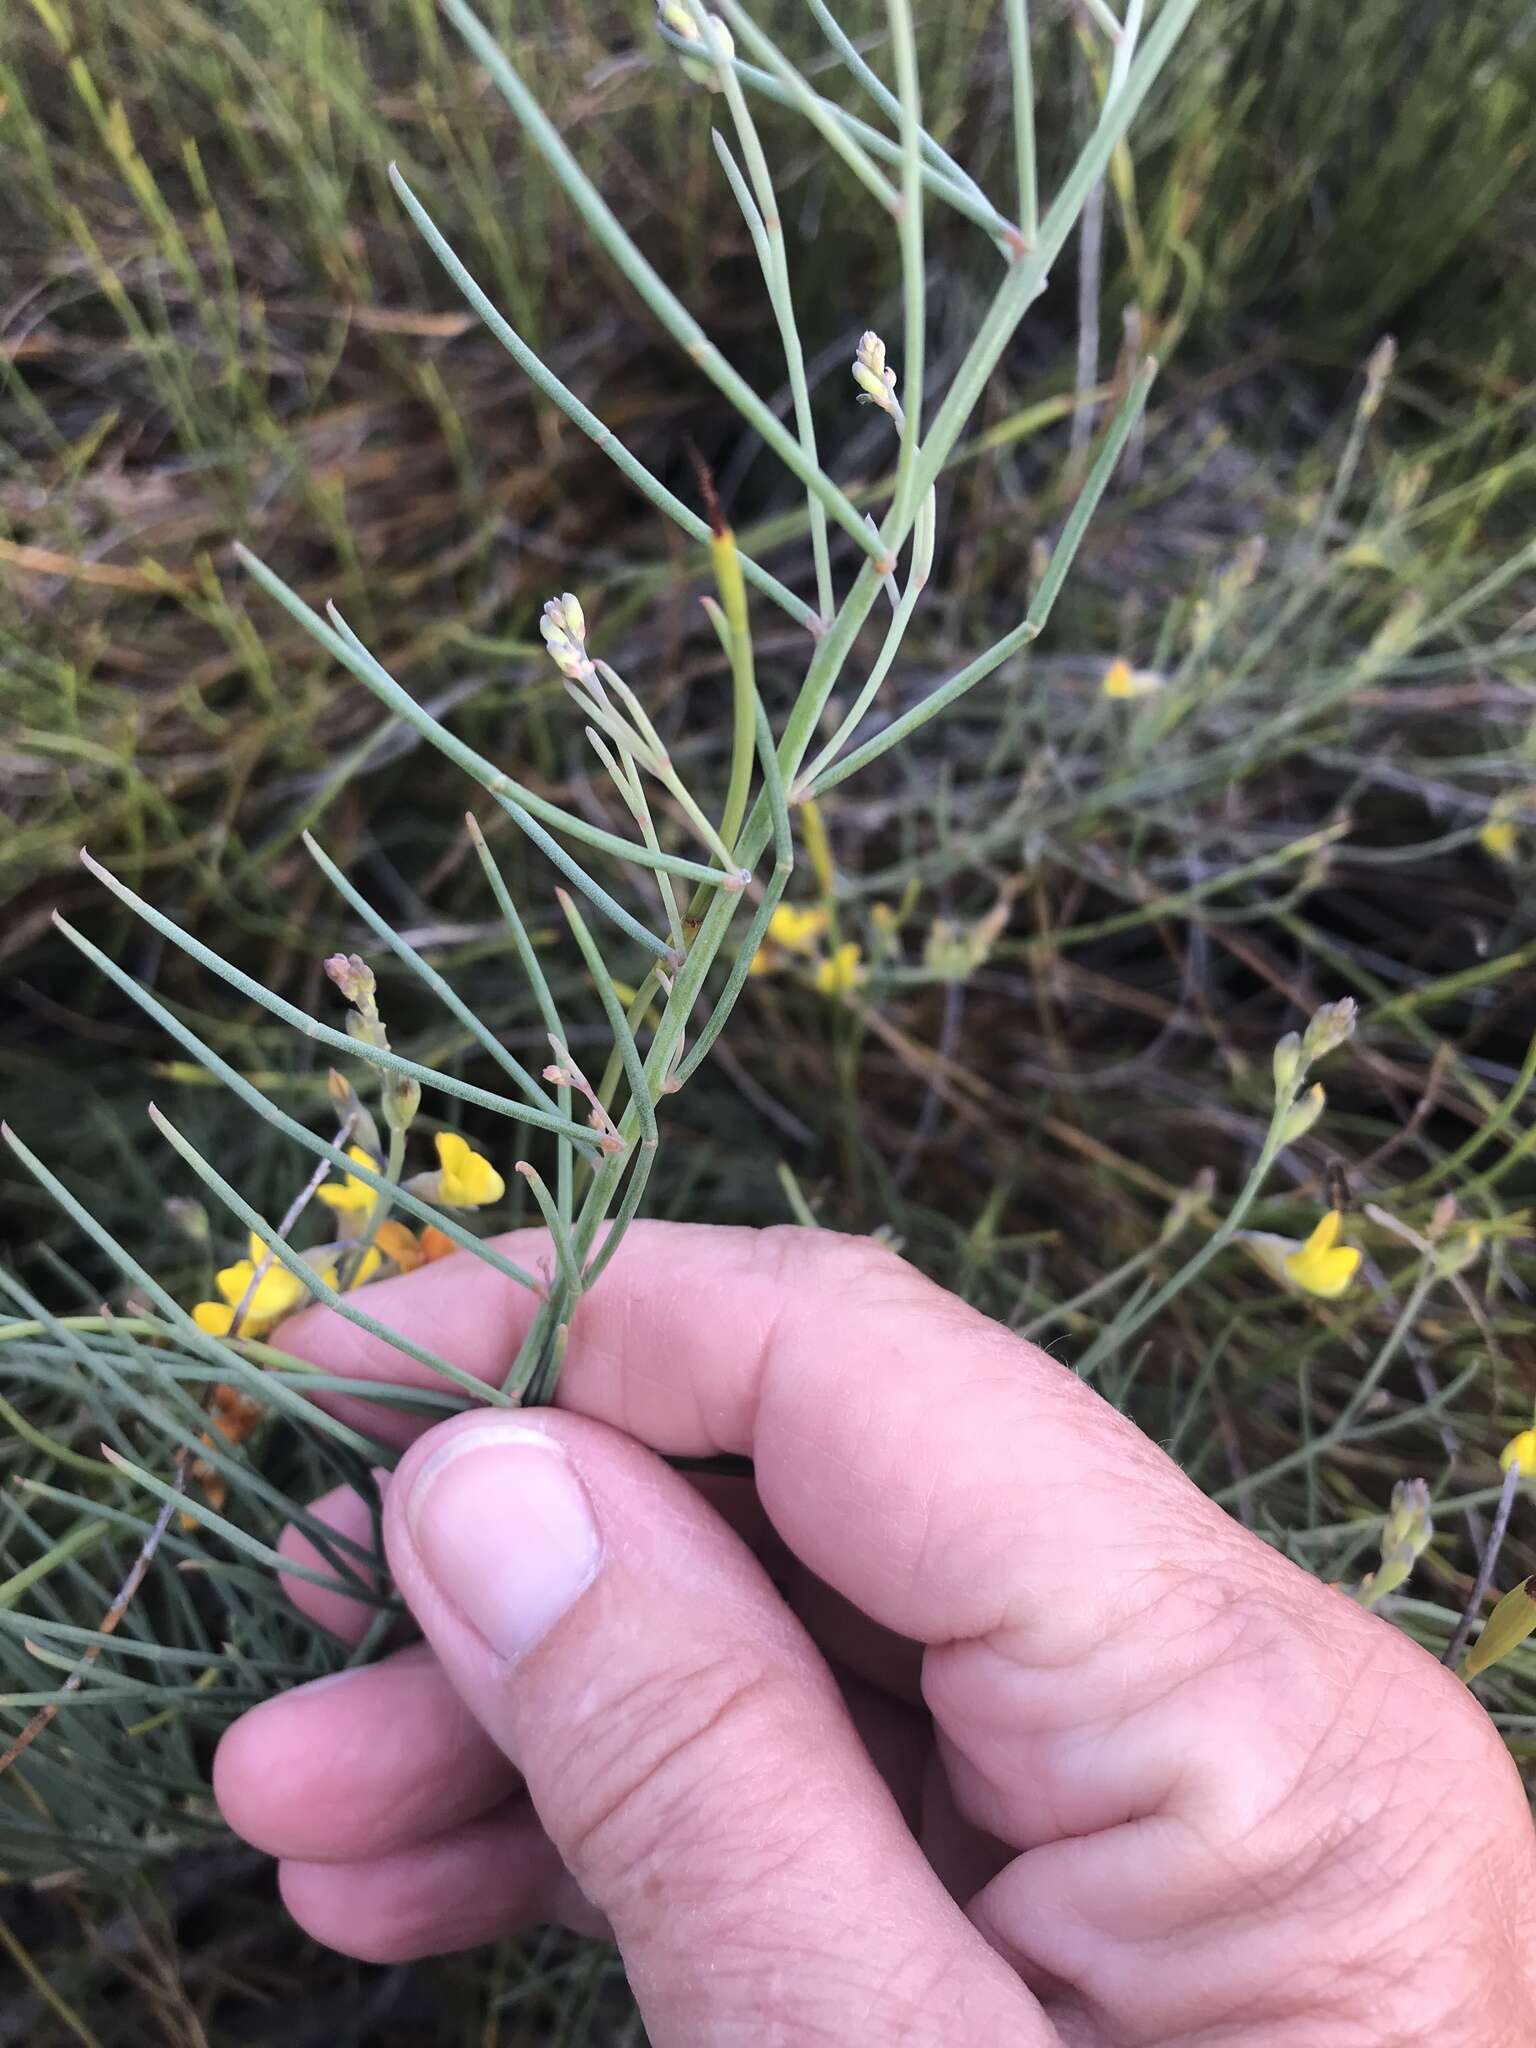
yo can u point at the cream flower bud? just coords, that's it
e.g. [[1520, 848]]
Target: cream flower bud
[[1330, 1027], [1302, 1115], [564, 627], [678, 19], [877, 383], [1288, 1063]]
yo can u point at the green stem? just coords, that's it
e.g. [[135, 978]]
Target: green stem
[[290, 1127], [767, 230], [1039, 611], [1021, 58], [311, 1027], [404, 950], [559, 1234], [582, 416], [834, 133], [543, 995], [913, 279], [733, 600], [886, 100], [522, 804], [1125, 1327], [1028, 275], [964, 198], [662, 301]]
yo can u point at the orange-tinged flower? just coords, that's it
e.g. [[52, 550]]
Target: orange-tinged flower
[[400, 1245], [234, 1416], [436, 1244]]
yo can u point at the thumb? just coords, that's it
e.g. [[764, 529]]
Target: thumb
[[685, 1747]]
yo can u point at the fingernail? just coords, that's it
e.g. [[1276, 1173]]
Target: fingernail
[[506, 1532]]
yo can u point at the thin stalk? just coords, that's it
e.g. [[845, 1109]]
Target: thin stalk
[[1106, 18], [662, 301], [634, 1015], [642, 1100], [644, 1158], [1027, 277], [290, 1127], [582, 416], [1039, 611], [835, 134], [913, 276], [339, 640], [1021, 59], [783, 867], [1105, 1284], [538, 981], [1125, 47], [1126, 1325], [884, 98], [559, 1233], [404, 950], [1369, 1381], [896, 632], [767, 231], [964, 198], [314, 1285], [311, 1027], [738, 626], [1486, 1566], [625, 777]]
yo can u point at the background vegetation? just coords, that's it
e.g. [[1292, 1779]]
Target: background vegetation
[[1099, 916]]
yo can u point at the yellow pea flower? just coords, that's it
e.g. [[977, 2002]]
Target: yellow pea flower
[[841, 972], [277, 1294], [1322, 1266], [794, 929], [350, 1197], [790, 930], [1121, 680], [367, 1266], [467, 1180], [1520, 1451], [1499, 838]]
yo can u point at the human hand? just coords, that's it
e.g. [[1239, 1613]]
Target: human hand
[[1096, 1766]]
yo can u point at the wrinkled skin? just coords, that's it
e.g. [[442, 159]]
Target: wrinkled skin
[[971, 1722]]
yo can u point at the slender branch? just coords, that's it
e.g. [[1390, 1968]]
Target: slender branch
[[1021, 60], [1486, 1566], [539, 374], [668, 309]]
